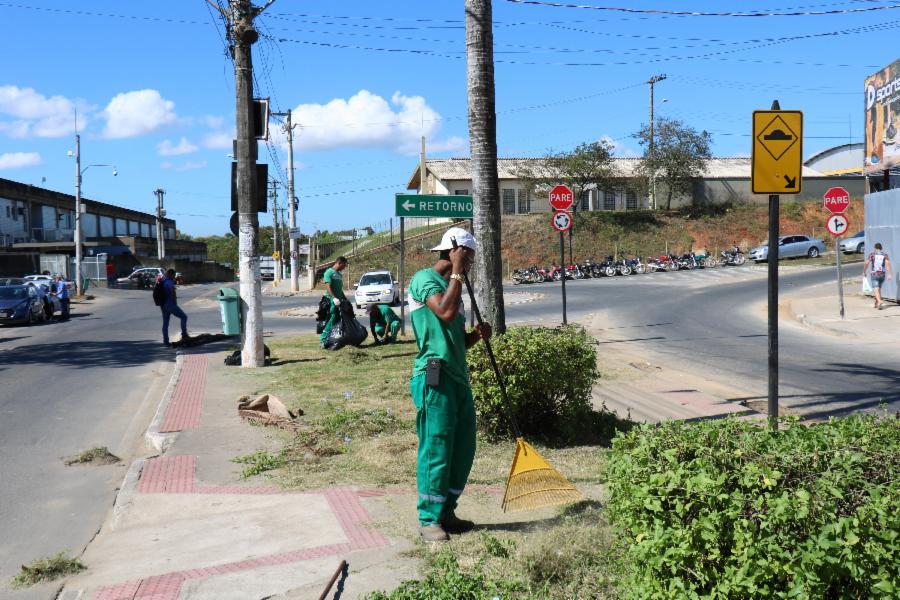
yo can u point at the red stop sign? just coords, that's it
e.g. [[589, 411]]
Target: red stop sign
[[837, 200], [561, 197]]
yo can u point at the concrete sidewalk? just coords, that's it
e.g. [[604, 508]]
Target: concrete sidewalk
[[818, 309], [283, 287], [186, 526]]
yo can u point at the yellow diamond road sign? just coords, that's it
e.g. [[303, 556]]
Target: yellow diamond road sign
[[777, 152]]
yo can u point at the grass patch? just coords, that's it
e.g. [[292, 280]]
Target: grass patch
[[47, 569], [360, 421], [259, 462], [569, 557], [99, 455]]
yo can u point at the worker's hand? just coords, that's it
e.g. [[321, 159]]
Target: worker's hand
[[460, 258], [337, 301], [484, 331]]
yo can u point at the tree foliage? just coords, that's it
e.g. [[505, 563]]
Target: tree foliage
[[588, 165], [680, 154]]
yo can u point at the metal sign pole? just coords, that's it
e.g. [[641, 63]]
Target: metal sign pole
[[840, 275], [562, 266], [773, 311], [402, 267]]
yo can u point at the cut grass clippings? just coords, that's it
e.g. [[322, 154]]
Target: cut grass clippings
[[359, 422], [99, 455], [47, 569]]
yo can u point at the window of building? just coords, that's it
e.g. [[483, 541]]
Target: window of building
[[461, 193], [7, 211], [585, 204], [121, 227], [15, 212], [134, 228], [509, 202], [631, 202], [524, 202], [145, 230], [609, 200], [107, 229]]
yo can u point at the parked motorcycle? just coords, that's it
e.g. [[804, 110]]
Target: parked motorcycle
[[607, 268], [574, 272], [733, 257]]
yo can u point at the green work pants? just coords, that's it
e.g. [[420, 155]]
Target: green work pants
[[333, 316], [445, 423], [392, 330]]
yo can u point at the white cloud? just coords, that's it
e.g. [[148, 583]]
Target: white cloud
[[620, 149], [37, 115], [17, 160], [135, 113], [167, 148], [367, 120], [188, 166], [218, 141], [213, 122]]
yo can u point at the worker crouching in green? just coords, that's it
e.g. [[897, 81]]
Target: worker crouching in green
[[445, 411], [334, 291], [384, 323]]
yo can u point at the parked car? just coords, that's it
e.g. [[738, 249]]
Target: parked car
[[789, 246], [375, 287], [21, 304], [12, 281], [49, 281], [146, 276], [857, 243]]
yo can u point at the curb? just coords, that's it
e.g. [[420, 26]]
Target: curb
[[126, 491], [157, 440], [71, 595], [805, 321]]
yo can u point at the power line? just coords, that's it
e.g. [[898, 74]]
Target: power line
[[692, 13]]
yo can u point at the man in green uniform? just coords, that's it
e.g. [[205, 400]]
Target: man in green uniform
[[384, 323], [445, 412], [334, 291]]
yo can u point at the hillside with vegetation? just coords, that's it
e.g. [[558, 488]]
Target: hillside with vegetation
[[529, 240]]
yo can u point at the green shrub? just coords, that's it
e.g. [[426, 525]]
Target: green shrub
[[549, 374], [726, 509]]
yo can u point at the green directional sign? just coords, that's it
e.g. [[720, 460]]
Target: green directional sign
[[434, 206]]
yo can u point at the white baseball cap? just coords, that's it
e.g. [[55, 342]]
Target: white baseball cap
[[463, 238]]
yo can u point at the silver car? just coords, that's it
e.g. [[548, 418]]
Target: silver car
[[857, 243], [790, 246]]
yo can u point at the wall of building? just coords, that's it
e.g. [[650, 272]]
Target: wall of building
[[724, 191], [17, 264], [13, 221]]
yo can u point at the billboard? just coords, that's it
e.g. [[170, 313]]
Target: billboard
[[883, 119]]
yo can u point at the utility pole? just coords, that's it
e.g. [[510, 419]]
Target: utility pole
[[241, 35], [292, 198], [78, 283], [160, 229], [653, 80], [275, 231]]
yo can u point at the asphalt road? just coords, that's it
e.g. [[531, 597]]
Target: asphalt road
[[97, 379], [66, 387]]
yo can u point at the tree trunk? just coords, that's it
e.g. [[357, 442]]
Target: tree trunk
[[669, 198], [483, 143], [248, 256]]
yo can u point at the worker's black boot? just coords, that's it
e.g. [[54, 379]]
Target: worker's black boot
[[433, 533], [453, 524]]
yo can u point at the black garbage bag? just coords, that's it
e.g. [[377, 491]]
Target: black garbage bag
[[346, 331], [322, 314], [234, 359]]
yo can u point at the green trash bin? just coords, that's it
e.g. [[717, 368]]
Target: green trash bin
[[85, 284], [231, 311]]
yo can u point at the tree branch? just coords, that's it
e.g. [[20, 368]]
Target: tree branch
[[259, 11]]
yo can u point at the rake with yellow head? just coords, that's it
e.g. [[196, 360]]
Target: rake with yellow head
[[532, 482]]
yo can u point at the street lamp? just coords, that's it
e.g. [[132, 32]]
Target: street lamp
[[652, 81], [79, 172]]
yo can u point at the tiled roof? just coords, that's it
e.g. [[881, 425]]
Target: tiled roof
[[448, 169]]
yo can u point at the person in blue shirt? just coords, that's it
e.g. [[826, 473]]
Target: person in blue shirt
[[170, 307], [62, 292]]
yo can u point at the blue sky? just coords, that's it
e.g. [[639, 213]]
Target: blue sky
[[154, 89]]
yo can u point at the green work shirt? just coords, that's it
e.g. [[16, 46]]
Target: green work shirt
[[336, 280], [437, 338], [385, 316]]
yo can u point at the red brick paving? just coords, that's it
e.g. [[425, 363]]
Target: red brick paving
[[184, 408]]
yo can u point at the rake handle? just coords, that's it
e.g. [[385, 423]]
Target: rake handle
[[490, 353]]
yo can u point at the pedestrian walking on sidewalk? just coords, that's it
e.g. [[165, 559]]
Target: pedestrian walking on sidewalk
[[445, 411], [384, 323], [334, 291], [881, 266], [110, 273], [170, 307], [62, 292]]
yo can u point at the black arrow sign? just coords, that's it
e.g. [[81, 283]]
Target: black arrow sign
[[791, 182]]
